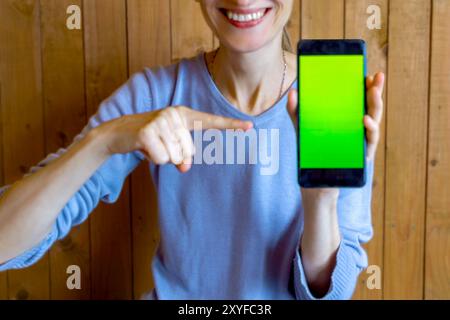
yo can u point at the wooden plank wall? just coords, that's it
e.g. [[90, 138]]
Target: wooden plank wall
[[53, 79], [22, 106], [376, 40], [437, 237], [407, 121]]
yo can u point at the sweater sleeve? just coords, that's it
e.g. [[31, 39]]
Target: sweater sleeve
[[106, 183], [354, 215]]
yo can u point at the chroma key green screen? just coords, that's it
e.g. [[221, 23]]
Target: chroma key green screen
[[331, 94]]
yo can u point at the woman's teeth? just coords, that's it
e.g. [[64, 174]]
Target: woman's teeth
[[245, 17]]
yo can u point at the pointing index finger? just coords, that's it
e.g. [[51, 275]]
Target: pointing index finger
[[211, 121]]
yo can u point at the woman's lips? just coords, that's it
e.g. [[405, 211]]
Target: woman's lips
[[245, 18]]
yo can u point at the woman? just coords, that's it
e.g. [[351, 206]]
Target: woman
[[227, 231]]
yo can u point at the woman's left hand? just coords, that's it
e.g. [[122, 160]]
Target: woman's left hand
[[372, 120], [321, 237]]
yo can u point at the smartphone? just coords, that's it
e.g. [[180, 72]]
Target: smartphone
[[331, 107]]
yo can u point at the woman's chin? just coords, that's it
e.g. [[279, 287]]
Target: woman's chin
[[243, 45]]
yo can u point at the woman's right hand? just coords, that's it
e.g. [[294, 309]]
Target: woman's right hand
[[163, 136], [29, 208]]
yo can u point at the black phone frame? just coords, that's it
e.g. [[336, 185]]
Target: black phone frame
[[325, 178]]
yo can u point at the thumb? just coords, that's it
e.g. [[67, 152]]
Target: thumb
[[184, 167], [292, 105]]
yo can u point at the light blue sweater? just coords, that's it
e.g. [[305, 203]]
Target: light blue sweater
[[228, 230]]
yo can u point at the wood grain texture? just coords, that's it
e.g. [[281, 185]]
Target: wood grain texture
[[376, 42], [293, 25], [437, 257], [148, 46], [190, 33], [21, 87], [64, 117], [409, 27], [106, 70], [322, 19], [3, 275]]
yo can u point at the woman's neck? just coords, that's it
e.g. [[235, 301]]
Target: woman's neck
[[252, 81]]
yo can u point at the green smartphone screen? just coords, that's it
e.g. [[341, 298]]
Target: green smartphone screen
[[331, 100]]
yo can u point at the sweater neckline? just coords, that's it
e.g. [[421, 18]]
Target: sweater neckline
[[229, 108]]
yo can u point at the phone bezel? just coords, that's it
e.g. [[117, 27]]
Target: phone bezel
[[320, 178]]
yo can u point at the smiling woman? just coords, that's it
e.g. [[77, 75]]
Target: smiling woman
[[226, 231]]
